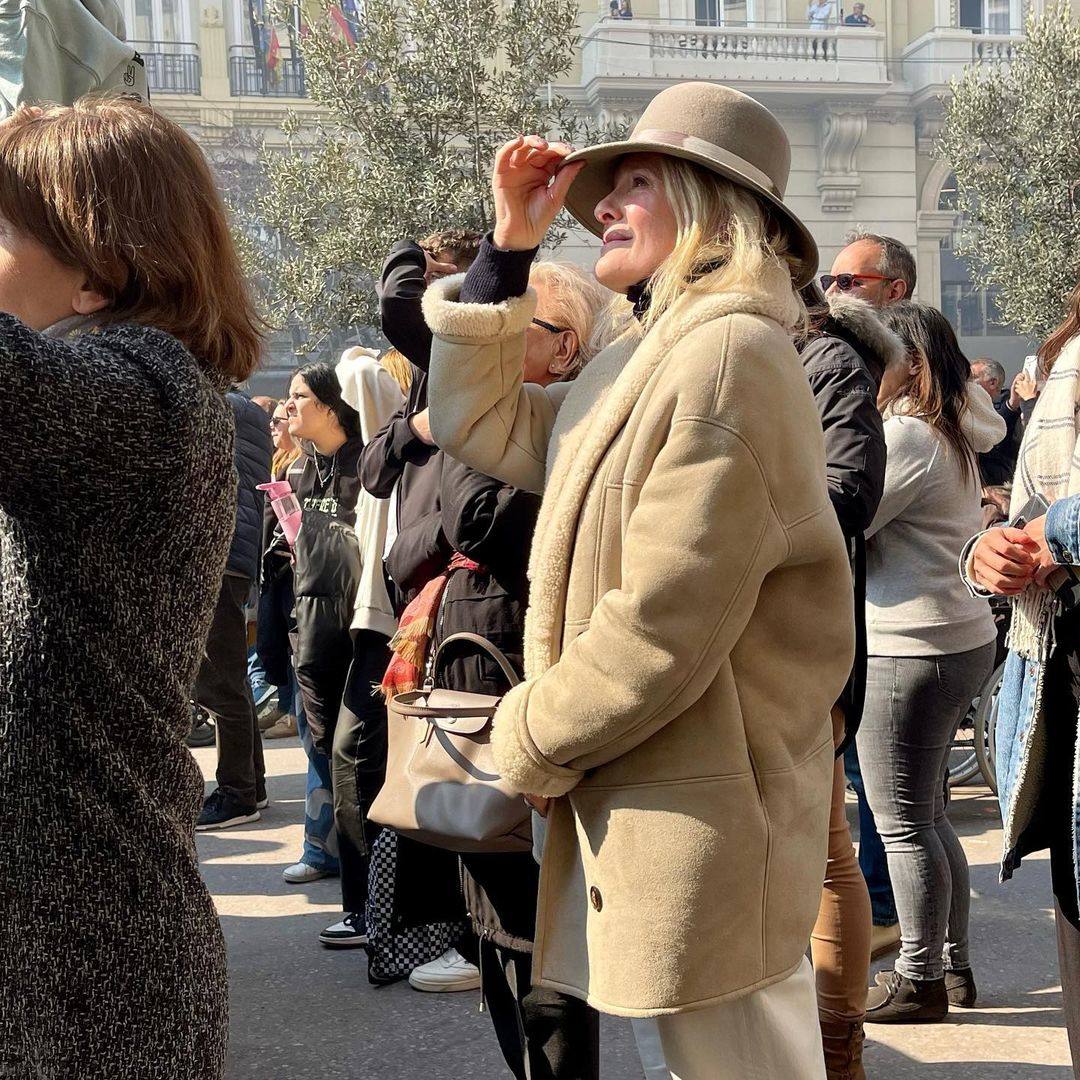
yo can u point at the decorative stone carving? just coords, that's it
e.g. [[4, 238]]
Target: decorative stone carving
[[211, 16], [838, 178]]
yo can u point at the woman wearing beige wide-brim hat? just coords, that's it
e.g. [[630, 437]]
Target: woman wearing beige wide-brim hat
[[690, 619]]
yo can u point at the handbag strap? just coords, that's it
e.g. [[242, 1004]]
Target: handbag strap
[[402, 705], [493, 651]]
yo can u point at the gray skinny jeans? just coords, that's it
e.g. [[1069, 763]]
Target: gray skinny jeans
[[913, 707]]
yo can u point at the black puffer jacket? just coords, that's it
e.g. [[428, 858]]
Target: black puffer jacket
[[844, 361], [325, 577], [492, 524], [997, 466], [395, 456], [845, 358], [253, 451]]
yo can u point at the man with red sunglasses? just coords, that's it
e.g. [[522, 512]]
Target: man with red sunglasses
[[876, 268]]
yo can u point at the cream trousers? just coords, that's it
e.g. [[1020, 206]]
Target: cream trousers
[[772, 1034]]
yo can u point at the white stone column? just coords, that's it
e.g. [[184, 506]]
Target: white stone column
[[933, 226]]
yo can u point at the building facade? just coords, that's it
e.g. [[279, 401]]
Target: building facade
[[861, 105]]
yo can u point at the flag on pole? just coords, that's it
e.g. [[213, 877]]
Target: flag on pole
[[273, 54], [344, 16]]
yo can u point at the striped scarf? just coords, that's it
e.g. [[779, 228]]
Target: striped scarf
[[1049, 464], [410, 646]]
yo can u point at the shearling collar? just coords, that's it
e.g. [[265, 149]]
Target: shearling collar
[[629, 362], [854, 318]]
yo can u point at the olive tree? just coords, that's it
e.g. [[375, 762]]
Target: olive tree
[[1012, 136], [410, 114]]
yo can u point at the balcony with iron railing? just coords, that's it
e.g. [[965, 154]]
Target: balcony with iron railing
[[249, 76], [757, 53], [939, 55], [172, 67]]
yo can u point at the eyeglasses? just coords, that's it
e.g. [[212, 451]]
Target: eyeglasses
[[844, 282], [549, 327], [277, 421]]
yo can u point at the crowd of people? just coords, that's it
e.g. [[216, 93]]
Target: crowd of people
[[687, 545]]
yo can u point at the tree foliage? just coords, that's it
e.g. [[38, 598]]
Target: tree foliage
[[1012, 137], [410, 116]]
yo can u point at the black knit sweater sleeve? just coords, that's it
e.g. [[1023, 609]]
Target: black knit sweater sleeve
[[401, 290], [496, 275]]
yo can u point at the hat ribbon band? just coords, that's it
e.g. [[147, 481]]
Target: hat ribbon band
[[681, 141]]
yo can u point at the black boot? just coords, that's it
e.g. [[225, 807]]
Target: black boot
[[960, 986], [897, 999]]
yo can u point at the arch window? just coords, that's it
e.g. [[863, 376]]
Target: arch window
[[972, 310]]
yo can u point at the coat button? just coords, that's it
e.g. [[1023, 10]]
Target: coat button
[[596, 899]]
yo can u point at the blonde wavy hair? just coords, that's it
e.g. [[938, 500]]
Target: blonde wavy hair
[[399, 367], [577, 301], [726, 241]]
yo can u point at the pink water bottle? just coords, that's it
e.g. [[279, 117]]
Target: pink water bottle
[[286, 507]]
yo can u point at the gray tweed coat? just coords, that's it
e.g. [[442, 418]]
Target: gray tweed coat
[[117, 503]]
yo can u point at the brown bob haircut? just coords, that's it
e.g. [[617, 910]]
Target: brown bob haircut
[[116, 190]]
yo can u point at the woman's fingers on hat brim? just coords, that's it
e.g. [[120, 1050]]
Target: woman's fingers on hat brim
[[564, 177], [505, 152]]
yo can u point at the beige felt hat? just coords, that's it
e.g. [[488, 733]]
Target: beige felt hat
[[717, 127]]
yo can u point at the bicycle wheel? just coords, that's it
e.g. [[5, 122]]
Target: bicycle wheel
[[963, 761], [986, 712]]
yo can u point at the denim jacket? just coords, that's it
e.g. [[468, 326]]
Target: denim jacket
[[1020, 720]]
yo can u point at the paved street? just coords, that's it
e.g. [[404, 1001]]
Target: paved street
[[300, 1012]]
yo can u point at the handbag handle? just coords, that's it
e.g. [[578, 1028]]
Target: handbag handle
[[402, 705], [496, 654]]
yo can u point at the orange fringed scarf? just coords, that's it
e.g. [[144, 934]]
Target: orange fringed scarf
[[413, 638]]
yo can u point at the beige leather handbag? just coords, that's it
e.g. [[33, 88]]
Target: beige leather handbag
[[441, 785]]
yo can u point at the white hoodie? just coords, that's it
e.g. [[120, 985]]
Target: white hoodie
[[916, 604], [372, 391]]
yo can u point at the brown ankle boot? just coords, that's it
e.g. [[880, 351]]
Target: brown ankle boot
[[842, 1039]]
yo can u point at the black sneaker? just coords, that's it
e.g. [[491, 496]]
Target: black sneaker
[[896, 999], [960, 987], [221, 811], [350, 933]]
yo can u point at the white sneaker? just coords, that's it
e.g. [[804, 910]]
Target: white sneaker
[[300, 873], [446, 974]]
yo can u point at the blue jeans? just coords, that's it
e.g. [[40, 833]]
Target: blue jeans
[[320, 834], [872, 860], [256, 674], [287, 694]]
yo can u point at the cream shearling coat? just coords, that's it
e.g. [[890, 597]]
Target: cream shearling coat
[[690, 626]]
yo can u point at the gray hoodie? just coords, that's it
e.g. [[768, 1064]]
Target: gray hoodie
[[58, 50], [916, 604]]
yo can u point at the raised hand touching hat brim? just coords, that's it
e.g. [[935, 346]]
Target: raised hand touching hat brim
[[529, 183]]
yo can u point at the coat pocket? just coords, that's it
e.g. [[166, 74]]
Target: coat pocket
[[668, 867]]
